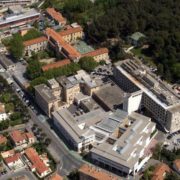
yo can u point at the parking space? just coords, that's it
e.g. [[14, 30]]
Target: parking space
[[173, 142]]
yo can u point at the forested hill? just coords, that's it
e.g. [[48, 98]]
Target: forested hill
[[158, 19]]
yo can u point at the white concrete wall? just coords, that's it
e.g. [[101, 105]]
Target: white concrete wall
[[133, 102]]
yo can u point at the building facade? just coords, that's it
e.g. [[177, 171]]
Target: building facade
[[5, 3], [19, 20], [35, 45], [161, 102]]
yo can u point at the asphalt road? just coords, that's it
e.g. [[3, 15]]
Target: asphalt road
[[67, 161], [22, 172]]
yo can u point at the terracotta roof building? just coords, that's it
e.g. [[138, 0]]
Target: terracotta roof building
[[55, 65], [99, 54], [35, 45], [92, 173], [55, 177], [13, 158], [9, 153], [72, 34], [176, 165], [57, 16], [36, 164], [20, 138], [160, 171], [61, 46], [35, 41], [3, 139], [14, 162]]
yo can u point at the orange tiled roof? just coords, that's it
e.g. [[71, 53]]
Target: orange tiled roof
[[177, 164], [17, 136], [13, 158], [34, 158], [96, 174], [55, 177], [57, 64], [8, 153], [71, 31], [159, 171], [3, 139], [70, 50], [97, 52], [56, 15], [35, 41], [55, 36], [29, 135]]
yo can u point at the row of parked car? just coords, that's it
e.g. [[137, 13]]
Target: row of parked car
[[173, 134]]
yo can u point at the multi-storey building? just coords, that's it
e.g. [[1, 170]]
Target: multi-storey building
[[35, 45], [61, 46], [70, 88], [120, 141], [87, 84], [72, 34], [46, 98], [99, 54], [56, 16], [6, 3], [75, 129], [125, 150], [149, 92], [15, 20]]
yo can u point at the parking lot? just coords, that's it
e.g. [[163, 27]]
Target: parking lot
[[173, 141]]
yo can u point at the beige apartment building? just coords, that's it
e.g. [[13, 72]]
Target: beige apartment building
[[46, 99], [70, 88], [72, 34], [35, 45], [99, 54]]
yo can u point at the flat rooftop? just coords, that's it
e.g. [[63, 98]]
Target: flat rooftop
[[45, 92], [148, 82], [15, 17], [75, 125], [111, 95], [121, 150], [67, 82], [6, 62]]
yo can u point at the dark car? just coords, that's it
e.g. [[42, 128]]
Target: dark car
[[169, 136]]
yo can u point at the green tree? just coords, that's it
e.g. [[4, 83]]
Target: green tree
[[6, 97], [9, 107], [31, 34], [172, 176], [176, 70], [88, 63], [16, 46], [33, 69]]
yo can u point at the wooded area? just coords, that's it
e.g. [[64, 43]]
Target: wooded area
[[157, 19]]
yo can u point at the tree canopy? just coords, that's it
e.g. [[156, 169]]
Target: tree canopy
[[31, 34], [16, 46], [88, 63], [158, 20]]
